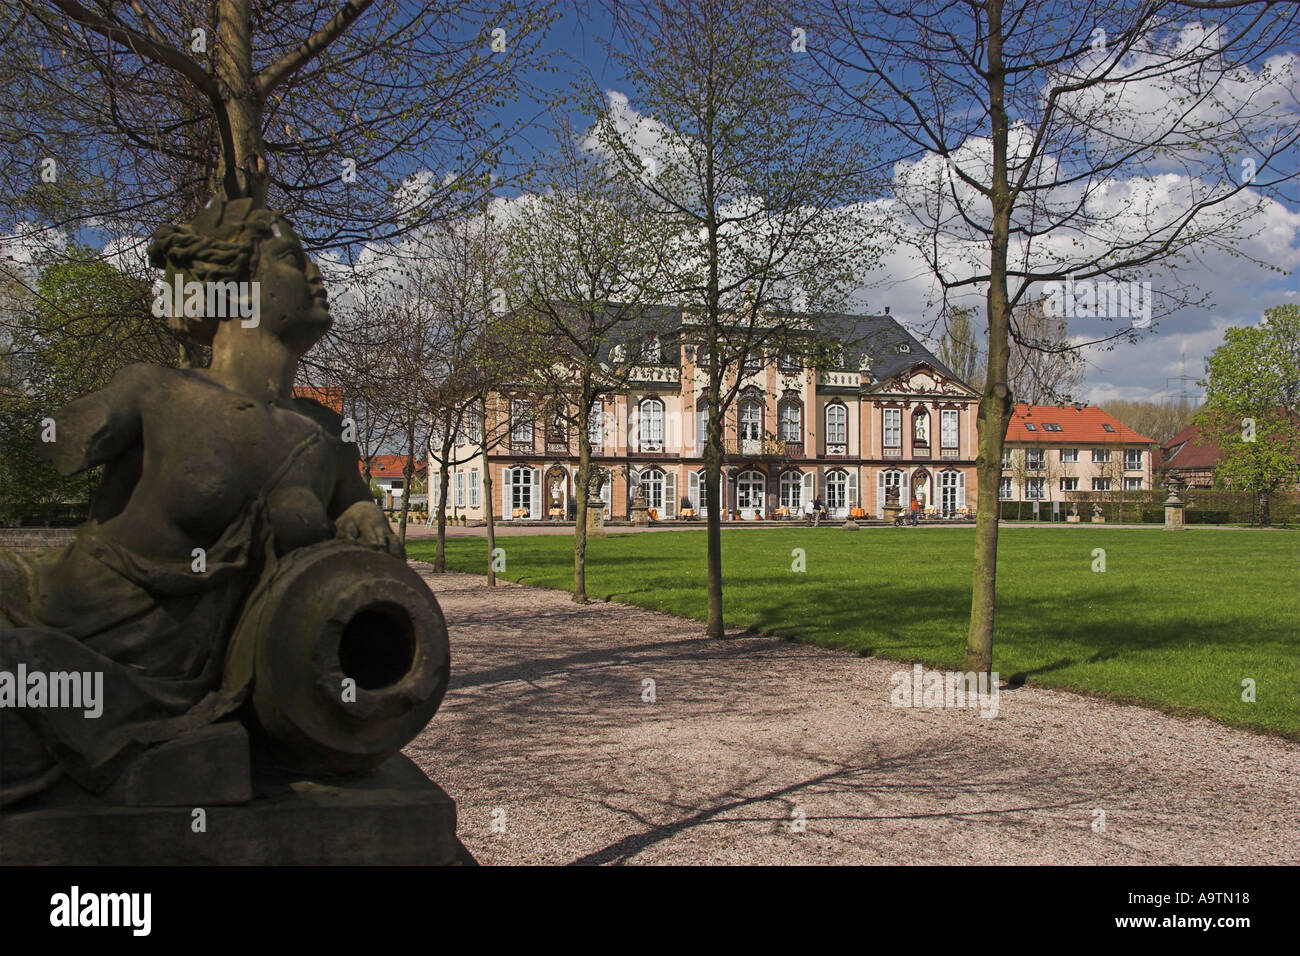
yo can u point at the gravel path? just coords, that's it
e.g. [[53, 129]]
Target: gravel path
[[553, 755]]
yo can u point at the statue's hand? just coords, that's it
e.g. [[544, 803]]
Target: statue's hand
[[366, 525]]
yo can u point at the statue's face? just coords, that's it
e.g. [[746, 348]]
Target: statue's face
[[293, 302]]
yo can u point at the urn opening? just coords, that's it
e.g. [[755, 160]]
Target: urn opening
[[377, 647]]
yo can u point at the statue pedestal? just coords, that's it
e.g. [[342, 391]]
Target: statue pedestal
[[639, 517], [595, 518], [1072, 519], [850, 525], [393, 816], [1175, 513], [892, 512]]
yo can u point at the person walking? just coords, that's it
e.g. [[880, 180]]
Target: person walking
[[916, 511]]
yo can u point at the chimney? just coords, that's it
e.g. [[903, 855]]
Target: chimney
[[886, 310]]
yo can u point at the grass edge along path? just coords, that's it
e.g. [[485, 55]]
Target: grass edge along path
[[1173, 621]]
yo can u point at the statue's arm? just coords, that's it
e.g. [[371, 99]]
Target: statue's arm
[[98, 427]]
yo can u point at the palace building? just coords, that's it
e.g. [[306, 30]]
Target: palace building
[[885, 412]]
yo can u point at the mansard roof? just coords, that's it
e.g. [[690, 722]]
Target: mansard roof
[[891, 348]]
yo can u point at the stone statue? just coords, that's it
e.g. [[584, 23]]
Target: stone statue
[[234, 565]]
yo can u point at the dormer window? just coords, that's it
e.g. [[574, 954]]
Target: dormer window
[[1029, 427], [904, 348], [653, 351], [1107, 426]]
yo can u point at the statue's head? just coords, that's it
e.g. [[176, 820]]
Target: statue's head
[[232, 241]]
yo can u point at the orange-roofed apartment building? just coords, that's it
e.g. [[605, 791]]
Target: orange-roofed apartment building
[[1053, 450], [388, 474]]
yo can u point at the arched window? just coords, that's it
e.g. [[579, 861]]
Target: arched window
[[792, 490], [750, 487], [596, 425], [751, 419], [650, 422], [952, 491], [520, 493], [837, 490], [652, 484], [790, 420], [837, 424]]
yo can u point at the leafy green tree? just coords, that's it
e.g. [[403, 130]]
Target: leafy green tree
[[1252, 401], [84, 321]]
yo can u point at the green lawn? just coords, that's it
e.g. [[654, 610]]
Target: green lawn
[[1176, 620]]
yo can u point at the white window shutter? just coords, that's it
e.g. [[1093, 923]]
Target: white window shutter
[[961, 489], [506, 507], [905, 491], [535, 499], [670, 494], [880, 494], [853, 490], [809, 482], [693, 490]]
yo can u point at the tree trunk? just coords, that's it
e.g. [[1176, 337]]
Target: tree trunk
[[408, 472], [489, 510], [1264, 516], [444, 483], [242, 171], [995, 405], [580, 491], [712, 487]]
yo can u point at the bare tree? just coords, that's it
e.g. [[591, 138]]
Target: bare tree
[[959, 347], [756, 177], [313, 106], [1045, 367], [461, 266], [586, 258], [1017, 116], [1159, 421]]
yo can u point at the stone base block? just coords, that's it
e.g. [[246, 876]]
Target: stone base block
[[205, 768], [394, 816]]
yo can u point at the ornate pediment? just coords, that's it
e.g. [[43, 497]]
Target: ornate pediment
[[921, 379]]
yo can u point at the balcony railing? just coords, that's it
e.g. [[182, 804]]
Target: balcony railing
[[891, 453], [851, 379], [521, 447], [762, 448], [949, 453], [666, 374]]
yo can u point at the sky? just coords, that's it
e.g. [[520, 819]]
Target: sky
[[1164, 364], [1236, 290]]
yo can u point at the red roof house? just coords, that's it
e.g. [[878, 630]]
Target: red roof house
[[1070, 424]]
